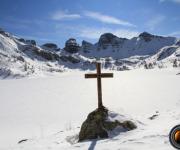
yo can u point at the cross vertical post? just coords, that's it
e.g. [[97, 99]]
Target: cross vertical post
[[99, 75], [99, 87]]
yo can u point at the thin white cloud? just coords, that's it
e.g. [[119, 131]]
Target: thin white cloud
[[95, 33], [175, 1], [176, 34], [155, 22], [64, 15], [107, 19]]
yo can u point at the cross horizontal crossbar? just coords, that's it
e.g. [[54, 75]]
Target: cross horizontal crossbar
[[102, 75]]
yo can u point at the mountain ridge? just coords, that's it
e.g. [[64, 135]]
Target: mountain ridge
[[21, 57]]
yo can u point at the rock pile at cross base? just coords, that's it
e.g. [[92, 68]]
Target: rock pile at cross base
[[97, 125]]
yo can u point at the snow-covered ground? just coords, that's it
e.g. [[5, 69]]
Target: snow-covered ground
[[49, 110]]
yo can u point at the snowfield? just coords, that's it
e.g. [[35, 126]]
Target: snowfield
[[48, 111]]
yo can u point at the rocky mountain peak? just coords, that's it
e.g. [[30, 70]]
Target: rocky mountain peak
[[109, 39], [146, 36], [72, 46]]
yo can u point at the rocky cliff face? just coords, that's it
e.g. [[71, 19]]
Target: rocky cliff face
[[50, 47], [87, 47], [71, 46], [109, 40]]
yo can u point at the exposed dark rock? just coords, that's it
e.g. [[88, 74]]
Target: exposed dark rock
[[178, 43], [50, 46], [149, 65], [154, 116], [22, 40], [175, 63], [110, 39], [20, 58], [70, 59], [86, 46], [4, 33], [97, 126], [166, 52], [47, 55], [31, 42], [71, 46], [146, 36], [22, 141]]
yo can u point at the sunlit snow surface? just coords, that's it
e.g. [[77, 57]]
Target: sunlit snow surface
[[48, 111]]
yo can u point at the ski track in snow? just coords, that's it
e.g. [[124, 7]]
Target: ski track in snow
[[49, 111]]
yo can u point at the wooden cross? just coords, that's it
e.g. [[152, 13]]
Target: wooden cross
[[99, 75]]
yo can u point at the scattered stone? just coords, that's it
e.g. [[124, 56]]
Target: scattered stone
[[154, 116], [22, 141]]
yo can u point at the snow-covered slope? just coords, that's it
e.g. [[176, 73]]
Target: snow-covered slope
[[166, 56], [20, 57], [49, 111]]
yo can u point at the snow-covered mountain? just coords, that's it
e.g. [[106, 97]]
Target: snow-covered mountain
[[20, 57], [110, 45]]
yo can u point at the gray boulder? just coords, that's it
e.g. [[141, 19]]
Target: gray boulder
[[97, 125]]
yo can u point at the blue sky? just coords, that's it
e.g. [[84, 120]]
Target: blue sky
[[57, 20]]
